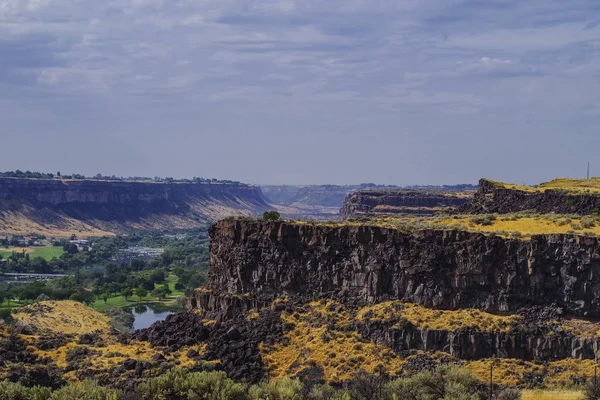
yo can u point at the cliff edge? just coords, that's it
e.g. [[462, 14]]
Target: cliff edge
[[561, 196], [434, 268]]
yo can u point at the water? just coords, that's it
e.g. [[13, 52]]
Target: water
[[146, 316]]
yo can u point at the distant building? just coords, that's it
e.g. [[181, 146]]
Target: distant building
[[82, 245]]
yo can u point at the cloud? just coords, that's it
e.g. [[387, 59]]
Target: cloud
[[498, 68], [291, 67]]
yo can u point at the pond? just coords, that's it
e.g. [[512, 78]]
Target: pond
[[145, 316]]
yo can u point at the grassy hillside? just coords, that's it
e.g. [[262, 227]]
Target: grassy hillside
[[69, 317], [591, 185]]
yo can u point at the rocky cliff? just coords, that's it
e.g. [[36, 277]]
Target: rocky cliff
[[496, 197], [441, 269], [342, 288], [70, 206], [373, 203]]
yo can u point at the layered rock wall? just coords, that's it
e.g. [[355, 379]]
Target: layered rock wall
[[493, 197], [59, 207], [391, 202], [441, 269], [473, 345], [55, 192]]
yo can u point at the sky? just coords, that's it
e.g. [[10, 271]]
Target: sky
[[302, 91]]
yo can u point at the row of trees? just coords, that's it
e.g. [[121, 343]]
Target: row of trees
[[87, 288]]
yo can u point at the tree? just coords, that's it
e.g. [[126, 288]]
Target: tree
[[127, 293], [105, 296], [140, 292], [167, 289], [83, 296], [271, 216], [159, 293], [42, 297]]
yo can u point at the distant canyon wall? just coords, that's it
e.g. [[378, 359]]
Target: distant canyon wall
[[374, 203], [38, 205]]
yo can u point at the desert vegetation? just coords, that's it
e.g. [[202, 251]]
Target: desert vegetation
[[431, 319], [520, 225], [570, 185], [447, 383]]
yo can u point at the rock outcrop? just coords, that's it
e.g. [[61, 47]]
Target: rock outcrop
[[119, 206], [439, 269], [283, 268], [523, 343], [495, 197], [370, 203]]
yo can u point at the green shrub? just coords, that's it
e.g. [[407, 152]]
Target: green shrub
[[509, 394], [179, 384], [485, 220], [448, 382], [564, 222], [591, 391], [87, 390], [588, 222], [285, 389], [16, 391], [271, 216], [326, 392]]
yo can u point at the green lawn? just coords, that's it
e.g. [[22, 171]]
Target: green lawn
[[172, 280], [48, 252], [45, 252], [13, 304], [120, 302]]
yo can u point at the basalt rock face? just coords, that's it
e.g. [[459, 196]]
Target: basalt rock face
[[492, 197], [123, 205], [522, 343], [440, 269], [222, 307], [393, 202]]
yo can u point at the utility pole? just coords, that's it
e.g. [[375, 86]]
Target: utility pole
[[491, 379], [588, 172]]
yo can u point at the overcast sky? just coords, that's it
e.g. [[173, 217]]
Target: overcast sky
[[302, 91]]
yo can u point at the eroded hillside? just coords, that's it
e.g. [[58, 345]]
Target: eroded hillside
[[92, 207]]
